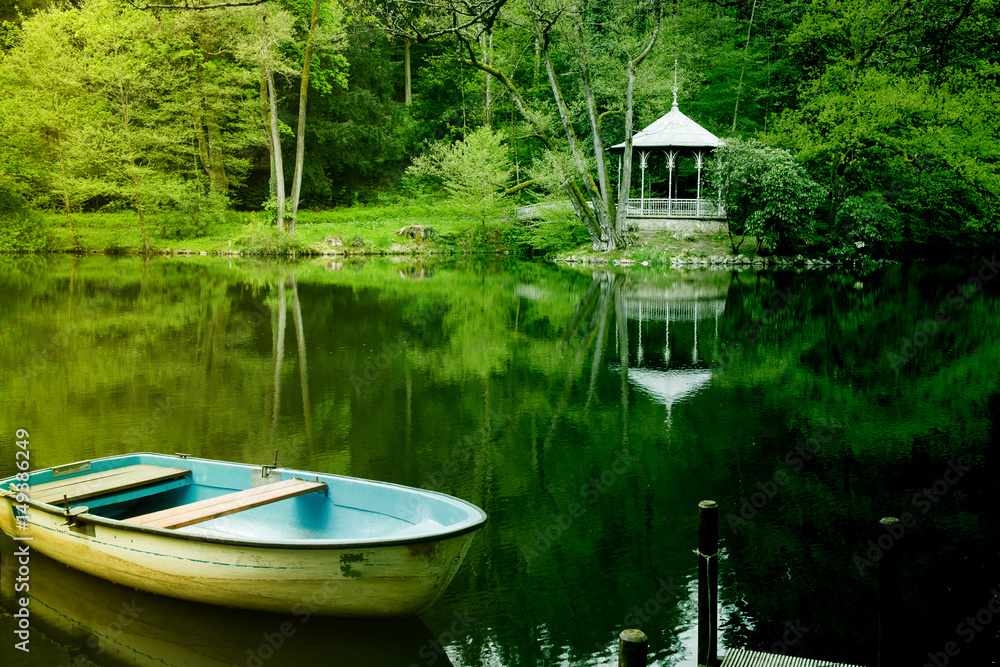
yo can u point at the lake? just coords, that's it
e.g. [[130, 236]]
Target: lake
[[586, 411]]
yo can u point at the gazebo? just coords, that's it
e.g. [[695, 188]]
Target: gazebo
[[678, 137]]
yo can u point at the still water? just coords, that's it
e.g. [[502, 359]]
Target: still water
[[586, 412]]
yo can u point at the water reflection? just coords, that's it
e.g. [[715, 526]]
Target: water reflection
[[587, 413], [97, 622]]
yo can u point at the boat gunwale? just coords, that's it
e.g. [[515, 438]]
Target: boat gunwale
[[466, 526]]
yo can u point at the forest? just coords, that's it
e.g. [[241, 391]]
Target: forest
[[849, 123]]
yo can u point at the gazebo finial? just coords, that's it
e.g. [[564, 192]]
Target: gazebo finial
[[675, 82]]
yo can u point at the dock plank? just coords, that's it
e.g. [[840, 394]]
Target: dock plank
[[739, 657], [102, 483], [212, 508]]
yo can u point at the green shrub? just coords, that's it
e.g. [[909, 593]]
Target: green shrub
[[559, 233], [192, 214], [866, 227], [264, 238], [21, 229], [767, 194]]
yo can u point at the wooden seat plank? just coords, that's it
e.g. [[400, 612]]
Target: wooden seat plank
[[230, 503], [102, 483]]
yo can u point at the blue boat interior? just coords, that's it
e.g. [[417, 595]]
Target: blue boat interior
[[346, 509]]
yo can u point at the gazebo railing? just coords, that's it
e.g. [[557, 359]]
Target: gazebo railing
[[681, 208]]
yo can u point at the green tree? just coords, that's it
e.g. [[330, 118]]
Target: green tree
[[766, 193], [899, 102], [135, 144], [20, 230], [476, 169], [561, 32], [49, 111]]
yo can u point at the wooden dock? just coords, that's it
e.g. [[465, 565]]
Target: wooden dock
[[633, 645], [739, 657]]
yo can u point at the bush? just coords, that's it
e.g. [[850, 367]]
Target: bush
[[767, 194], [192, 215], [261, 238], [558, 233], [866, 227], [21, 229]]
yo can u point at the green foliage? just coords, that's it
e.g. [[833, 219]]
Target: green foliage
[[106, 103], [766, 193], [558, 232], [473, 170], [21, 229], [901, 100], [110, 102], [263, 238], [867, 227]]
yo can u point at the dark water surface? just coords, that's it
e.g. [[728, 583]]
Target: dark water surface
[[587, 414]]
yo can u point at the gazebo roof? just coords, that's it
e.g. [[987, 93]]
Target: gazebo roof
[[672, 130]]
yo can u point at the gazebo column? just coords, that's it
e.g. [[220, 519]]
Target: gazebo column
[[699, 161], [671, 158], [666, 337], [643, 162], [694, 351]]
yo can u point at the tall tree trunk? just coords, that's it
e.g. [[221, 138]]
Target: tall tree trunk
[[488, 96], [65, 187], [600, 226], [266, 120], [277, 165], [300, 139], [207, 133], [746, 47], [407, 75], [621, 211], [588, 90]]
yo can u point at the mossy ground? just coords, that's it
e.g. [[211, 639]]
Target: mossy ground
[[659, 248]]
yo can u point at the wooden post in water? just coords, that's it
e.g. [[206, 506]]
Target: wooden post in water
[[708, 582], [633, 648], [890, 646]]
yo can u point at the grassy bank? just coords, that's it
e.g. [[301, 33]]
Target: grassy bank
[[428, 227]]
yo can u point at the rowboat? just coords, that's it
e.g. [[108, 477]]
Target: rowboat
[[256, 537], [115, 625]]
